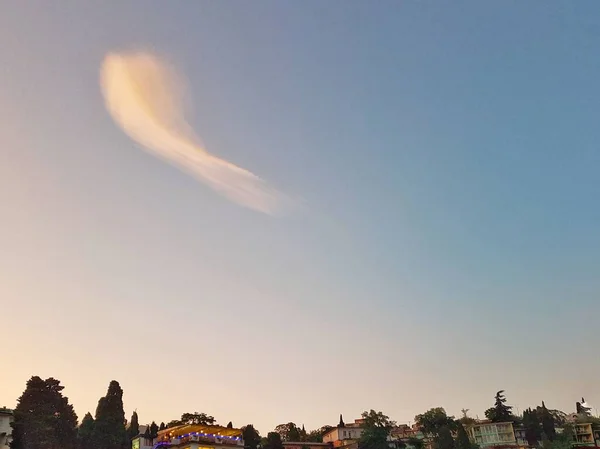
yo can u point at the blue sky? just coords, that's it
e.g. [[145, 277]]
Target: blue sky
[[448, 158]]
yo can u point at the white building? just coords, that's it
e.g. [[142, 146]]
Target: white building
[[6, 417], [344, 433]]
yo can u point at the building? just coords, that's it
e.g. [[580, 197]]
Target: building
[[196, 436], [344, 434], [583, 434], [489, 434], [408, 435], [6, 417], [521, 436], [141, 441]]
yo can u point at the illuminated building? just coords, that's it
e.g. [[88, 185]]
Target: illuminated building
[[197, 436]]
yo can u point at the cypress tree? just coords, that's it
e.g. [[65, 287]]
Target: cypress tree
[[153, 430], [85, 431], [547, 423], [134, 427], [531, 422], [162, 426], [109, 430]]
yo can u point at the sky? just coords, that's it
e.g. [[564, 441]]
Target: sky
[[443, 158]]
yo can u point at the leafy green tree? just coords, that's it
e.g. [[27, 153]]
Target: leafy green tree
[[153, 430], [444, 439], [134, 427], [500, 412], [546, 443], [288, 432], [85, 431], [376, 429], [109, 428], [273, 441], [564, 440], [432, 421], [316, 436], [197, 418], [559, 417], [43, 418], [462, 439], [415, 443], [251, 437]]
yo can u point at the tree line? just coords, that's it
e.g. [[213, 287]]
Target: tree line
[[444, 431], [44, 419]]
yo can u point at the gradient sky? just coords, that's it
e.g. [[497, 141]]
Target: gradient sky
[[446, 152]]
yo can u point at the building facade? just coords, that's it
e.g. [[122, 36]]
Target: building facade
[[583, 434], [192, 436], [521, 436], [344, 434], [408, 435], [488, 434], [6, 417]]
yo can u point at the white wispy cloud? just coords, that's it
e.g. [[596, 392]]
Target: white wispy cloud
[[145, 98]]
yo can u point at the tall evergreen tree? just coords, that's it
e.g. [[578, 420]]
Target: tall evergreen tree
[[162, 426], [547, 423], [85, 432], [500, 412], [109, 430], [533, 431], [153, 430], [43, 418], [134, 427], [230, 425], [303, 434]]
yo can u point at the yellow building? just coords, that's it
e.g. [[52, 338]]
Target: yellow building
[[487, 433], [193, 436]]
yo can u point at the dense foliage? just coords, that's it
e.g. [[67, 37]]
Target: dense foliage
[[43, 418]]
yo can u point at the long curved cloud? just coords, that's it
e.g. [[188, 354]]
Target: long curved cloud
[[145, 98]]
